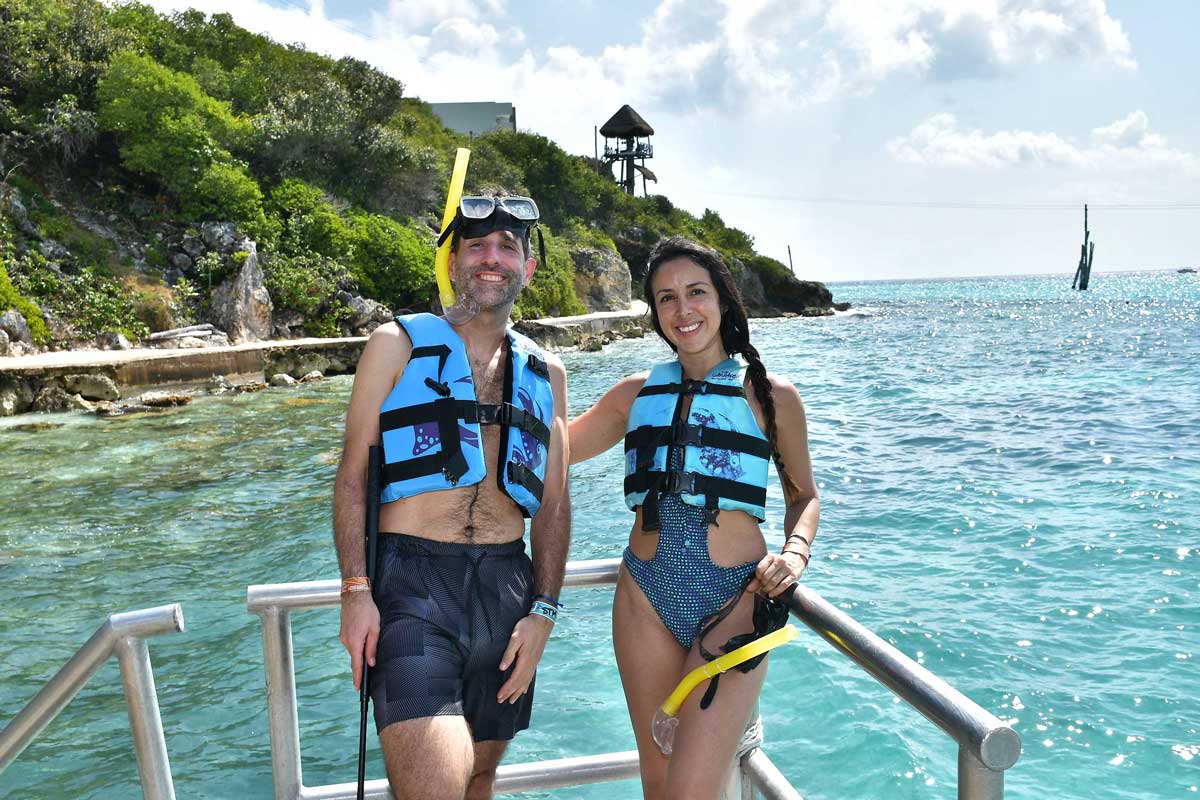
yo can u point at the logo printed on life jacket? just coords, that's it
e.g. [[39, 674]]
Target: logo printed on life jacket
[[723, 375], [719, 462], [426, 435]]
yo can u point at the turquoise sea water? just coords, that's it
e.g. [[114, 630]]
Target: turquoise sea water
[[1008, 473]]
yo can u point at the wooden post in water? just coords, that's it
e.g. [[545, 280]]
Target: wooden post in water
[[1083, 272]]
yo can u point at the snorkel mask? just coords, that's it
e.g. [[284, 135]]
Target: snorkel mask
[[472, 217]]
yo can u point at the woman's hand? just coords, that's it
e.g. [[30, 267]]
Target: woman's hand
[[776, 572]]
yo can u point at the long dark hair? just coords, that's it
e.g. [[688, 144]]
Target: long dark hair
[[735, 327]]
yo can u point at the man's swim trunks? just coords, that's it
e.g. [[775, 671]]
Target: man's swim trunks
[[446, 613]]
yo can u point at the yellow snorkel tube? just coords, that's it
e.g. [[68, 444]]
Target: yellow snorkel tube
[[441, 259], [665, 722]]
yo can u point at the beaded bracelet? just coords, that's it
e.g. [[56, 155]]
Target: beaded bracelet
[[543, 609], [551, 600], [356, 584]]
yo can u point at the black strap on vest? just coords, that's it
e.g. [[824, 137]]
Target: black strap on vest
[[523, 476], [653, 437], [688, 386], [468, 411], [656, 483]]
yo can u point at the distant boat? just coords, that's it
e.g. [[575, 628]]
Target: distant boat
[[1187, 271]]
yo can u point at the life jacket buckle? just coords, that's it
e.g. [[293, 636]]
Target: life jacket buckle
[[684, 435], [680, 483], [694, 387], [438, 386]]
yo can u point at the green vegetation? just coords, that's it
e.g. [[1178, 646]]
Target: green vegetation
[[326, 164]]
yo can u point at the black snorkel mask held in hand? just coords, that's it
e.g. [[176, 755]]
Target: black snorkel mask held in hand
[[770, 614]]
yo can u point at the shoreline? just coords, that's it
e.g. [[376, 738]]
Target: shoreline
[[113, 382]]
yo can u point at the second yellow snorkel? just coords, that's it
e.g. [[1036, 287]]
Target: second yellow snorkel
[[441, 259], [665, 722]]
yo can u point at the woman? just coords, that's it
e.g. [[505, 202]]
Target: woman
[[697, 438]]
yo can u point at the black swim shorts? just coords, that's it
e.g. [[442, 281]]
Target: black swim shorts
[[446, 614]]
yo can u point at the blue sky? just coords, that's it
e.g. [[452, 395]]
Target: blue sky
[[905, 138]]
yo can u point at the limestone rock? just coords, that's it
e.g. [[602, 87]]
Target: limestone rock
[[51, 398], [288, 324], [366, 314], [750, 287], [12, 207], [14, 324], [3, 342], [241, 305], [192, 246], [180, 262], [77, 403], [315, 375], [92, 386], [807, 298], [328, 360], [602, 279], [53, 250], [16, 396], [111, 340], [283, 379], [164, 399], [221, 236]]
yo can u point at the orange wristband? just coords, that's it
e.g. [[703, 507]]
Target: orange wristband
[[356, 584]]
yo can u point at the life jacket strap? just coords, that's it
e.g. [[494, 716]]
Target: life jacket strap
[[684, 435], [692, 387], [524, 476], [679, 482], [508, 414]]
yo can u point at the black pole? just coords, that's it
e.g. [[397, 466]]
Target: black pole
[[374, 469]]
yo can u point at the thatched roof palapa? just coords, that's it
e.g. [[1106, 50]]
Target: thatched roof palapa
[[626, 124]]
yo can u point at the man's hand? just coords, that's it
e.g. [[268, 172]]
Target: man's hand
[[360, 631], [525, 648]]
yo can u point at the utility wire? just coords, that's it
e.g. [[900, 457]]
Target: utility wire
[[946, 205]]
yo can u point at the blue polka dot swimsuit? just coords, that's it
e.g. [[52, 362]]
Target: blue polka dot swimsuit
[[680, 580]]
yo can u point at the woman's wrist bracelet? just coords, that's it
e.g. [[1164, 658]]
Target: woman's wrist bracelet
[[541, 608], [805, 554], [356, 584]]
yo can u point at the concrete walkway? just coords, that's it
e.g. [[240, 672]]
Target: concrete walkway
[[132, 371], [84, 360]]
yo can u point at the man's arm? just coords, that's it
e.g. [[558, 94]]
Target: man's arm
[[549, 539], [373, 380]]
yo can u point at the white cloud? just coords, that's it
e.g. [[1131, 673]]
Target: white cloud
[[1124, 146], [695, 55], [951, 39]]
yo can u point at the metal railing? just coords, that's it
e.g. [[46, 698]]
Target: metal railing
[[125, 634], [986, 745]]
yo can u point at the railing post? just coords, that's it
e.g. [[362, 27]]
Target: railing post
[[281, 703], [975, 781], [141, 700]]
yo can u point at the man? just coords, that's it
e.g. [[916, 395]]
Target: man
[[472, 417]]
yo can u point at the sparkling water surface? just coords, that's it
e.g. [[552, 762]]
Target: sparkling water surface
[[1008, 475]]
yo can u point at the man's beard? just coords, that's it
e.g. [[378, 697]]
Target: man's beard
[[491, 300]]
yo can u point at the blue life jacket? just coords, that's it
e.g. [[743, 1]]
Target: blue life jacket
[[725, 454], [430, 421]]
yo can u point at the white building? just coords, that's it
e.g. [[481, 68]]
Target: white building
[[476, 118]]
